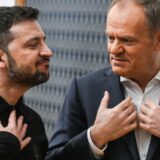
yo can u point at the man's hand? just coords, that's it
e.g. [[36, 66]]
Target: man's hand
[[149, 118], [110, 124], [17, 128]]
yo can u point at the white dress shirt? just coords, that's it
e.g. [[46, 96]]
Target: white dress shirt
[[152, 92]]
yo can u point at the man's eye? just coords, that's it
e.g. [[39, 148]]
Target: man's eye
[[33, 46], [111, 39], [128, 41]]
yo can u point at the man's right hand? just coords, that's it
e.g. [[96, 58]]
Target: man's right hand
[[17, 128], [112, 123]]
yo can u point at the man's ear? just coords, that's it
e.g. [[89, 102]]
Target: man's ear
[[3, 59]]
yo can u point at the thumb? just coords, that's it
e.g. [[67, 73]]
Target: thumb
[[104, 102]]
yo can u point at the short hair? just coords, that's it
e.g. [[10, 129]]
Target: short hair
[[11, 16], [151, 10]]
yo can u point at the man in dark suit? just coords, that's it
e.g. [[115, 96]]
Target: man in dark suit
[[125, 124]]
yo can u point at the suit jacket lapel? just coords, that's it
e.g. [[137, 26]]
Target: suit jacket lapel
[[130, 141], [155, 142], [115, 89]]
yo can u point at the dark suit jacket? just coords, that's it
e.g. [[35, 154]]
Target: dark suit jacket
[[69, 141]]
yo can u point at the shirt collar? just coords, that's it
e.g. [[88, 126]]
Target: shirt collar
[[158, 76], [4, 105], [123, 79]]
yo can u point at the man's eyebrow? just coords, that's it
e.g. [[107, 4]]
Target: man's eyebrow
[[35, 39], [106, 32]]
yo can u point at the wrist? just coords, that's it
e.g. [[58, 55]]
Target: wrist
[[97, 138]]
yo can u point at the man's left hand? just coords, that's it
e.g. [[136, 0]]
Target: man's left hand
[[149, 118]]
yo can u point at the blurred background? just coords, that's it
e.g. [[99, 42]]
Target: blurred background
[[75, 33]]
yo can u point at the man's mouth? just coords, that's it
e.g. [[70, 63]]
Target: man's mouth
[[44, 61], [118, 60]]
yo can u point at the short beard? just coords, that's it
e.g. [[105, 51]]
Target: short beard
[[23, 76]]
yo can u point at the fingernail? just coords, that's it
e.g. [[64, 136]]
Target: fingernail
[[105, 93], [13, 111], [22, 117]]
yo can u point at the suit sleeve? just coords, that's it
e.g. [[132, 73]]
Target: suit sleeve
[[9, 146], [69, 140]]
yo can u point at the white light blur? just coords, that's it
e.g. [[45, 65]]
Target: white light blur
[[7, 2]]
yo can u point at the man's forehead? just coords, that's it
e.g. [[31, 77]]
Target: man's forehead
[[27, 30], [26, 24], [132, 14]]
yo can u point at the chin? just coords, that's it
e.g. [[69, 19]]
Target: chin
[[120, 72]]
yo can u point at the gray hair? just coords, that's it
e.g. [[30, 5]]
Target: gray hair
[[151, 10]]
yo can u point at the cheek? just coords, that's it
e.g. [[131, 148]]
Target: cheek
[[133, 54], [140, 61], [108, 45], [135, 62], [26, 63], [30, 58]]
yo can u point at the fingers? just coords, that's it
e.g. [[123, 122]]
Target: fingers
[[20, 123], [104, 102], [12, 120], [144, 122], [149, 117], [18, 128], [1, 126], [131, 126], [150, 104], [23, 131], [17, 125], [129, 109], [21, 128], [144, 126], [124, 104], [148, 110], [145, 109], [121, 106], [25, 142], [143, 119], [131, 118], [128, 116]]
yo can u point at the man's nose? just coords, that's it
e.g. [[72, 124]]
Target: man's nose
[[46, 51], [115, 47]]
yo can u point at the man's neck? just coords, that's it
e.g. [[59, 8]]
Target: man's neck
[[143, 80], [10, 93], [10, 96]]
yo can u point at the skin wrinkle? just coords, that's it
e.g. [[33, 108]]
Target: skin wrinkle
[[28, 76], [125, 26]]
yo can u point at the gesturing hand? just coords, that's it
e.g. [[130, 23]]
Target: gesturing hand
[[112, 123], [17, 128], [150, 118]]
